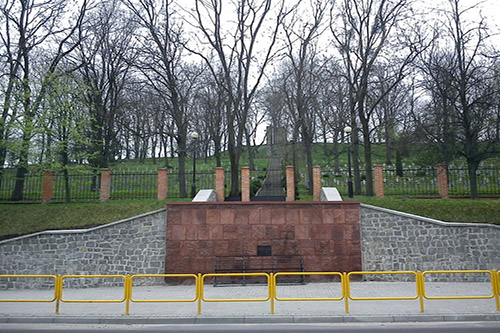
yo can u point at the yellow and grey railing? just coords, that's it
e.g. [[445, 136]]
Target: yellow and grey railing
[[272, 289]]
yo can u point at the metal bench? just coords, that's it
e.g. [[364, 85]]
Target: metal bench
[[258, 264]]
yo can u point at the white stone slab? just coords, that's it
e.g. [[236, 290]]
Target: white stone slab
[[205, 196], [330, 194]]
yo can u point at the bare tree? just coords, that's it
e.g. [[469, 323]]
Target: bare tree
[[366, 38], [162, 48], [240, 59], [474, 88], [104, 59], [434, 119], [210, 111], [301, 33]]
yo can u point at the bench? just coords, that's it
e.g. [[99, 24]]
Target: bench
[[258, 264]]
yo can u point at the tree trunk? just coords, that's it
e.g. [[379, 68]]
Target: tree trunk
[[65, 162], [388, 143], [472, 167], [217, 145], [67, 190], [18, 192], [308, 148], [355, 161], [181, 142], [368, 161]]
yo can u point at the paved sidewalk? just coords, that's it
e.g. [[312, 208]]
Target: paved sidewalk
[[255, 311]]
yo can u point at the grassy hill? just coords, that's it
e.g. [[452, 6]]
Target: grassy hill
[[21, 219], [18, 219]]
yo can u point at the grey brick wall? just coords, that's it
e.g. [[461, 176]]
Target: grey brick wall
[[131, 246], [394, 241]]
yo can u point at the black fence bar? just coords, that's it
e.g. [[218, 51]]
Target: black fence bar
[[76, 186], [204, 180], [488, 181], [32, 190], [137, 185], [338, 179], [85, 185], [412, 182]]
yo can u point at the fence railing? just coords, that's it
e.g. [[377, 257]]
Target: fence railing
[[342, 281], [76, 186], [413, 182], [488, 181], [204, 180], [32, 189], [82, 186]]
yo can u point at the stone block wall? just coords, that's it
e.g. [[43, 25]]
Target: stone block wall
[[326, 234], [395, 241], [131, 246]]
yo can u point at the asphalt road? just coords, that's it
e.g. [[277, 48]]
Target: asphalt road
[[442, 327]]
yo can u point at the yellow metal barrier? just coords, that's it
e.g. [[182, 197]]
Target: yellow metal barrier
[[164, 300], [492, 277], [391, 298], [496, 275], [33, 300], [271, 285], [130, 289], [125, 289], [309, 298], [275, 291], [202, 288]]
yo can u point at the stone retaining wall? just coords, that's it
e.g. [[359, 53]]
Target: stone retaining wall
[[130, 246], [395, 241], [389, 241]]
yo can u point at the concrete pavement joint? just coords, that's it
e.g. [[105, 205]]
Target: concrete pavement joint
[[249, 319]]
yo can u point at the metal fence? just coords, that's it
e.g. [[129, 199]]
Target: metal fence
[[412, 182], [76, 186], [488, 181], [342, 281], [84, 185], [32, 186], [204, 180], [338, 179], [135, 185]]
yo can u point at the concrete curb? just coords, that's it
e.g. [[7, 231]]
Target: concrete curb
[[248, 319]]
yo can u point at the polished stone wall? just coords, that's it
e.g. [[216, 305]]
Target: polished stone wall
[[326, 234]]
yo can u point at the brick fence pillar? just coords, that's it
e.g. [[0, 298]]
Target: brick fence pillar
[[162, 184], [378, 173], [442, 180], [316, 183], [105, 192], [219, 184], [245, 184], [290, 183], [47, 186]]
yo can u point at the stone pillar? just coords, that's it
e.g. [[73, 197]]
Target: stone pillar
[[219, 184], [245, 184], [290, 183], [378, 173], [47, 186], [162, 184], [442, 180], [105, 185], [316, 183]]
